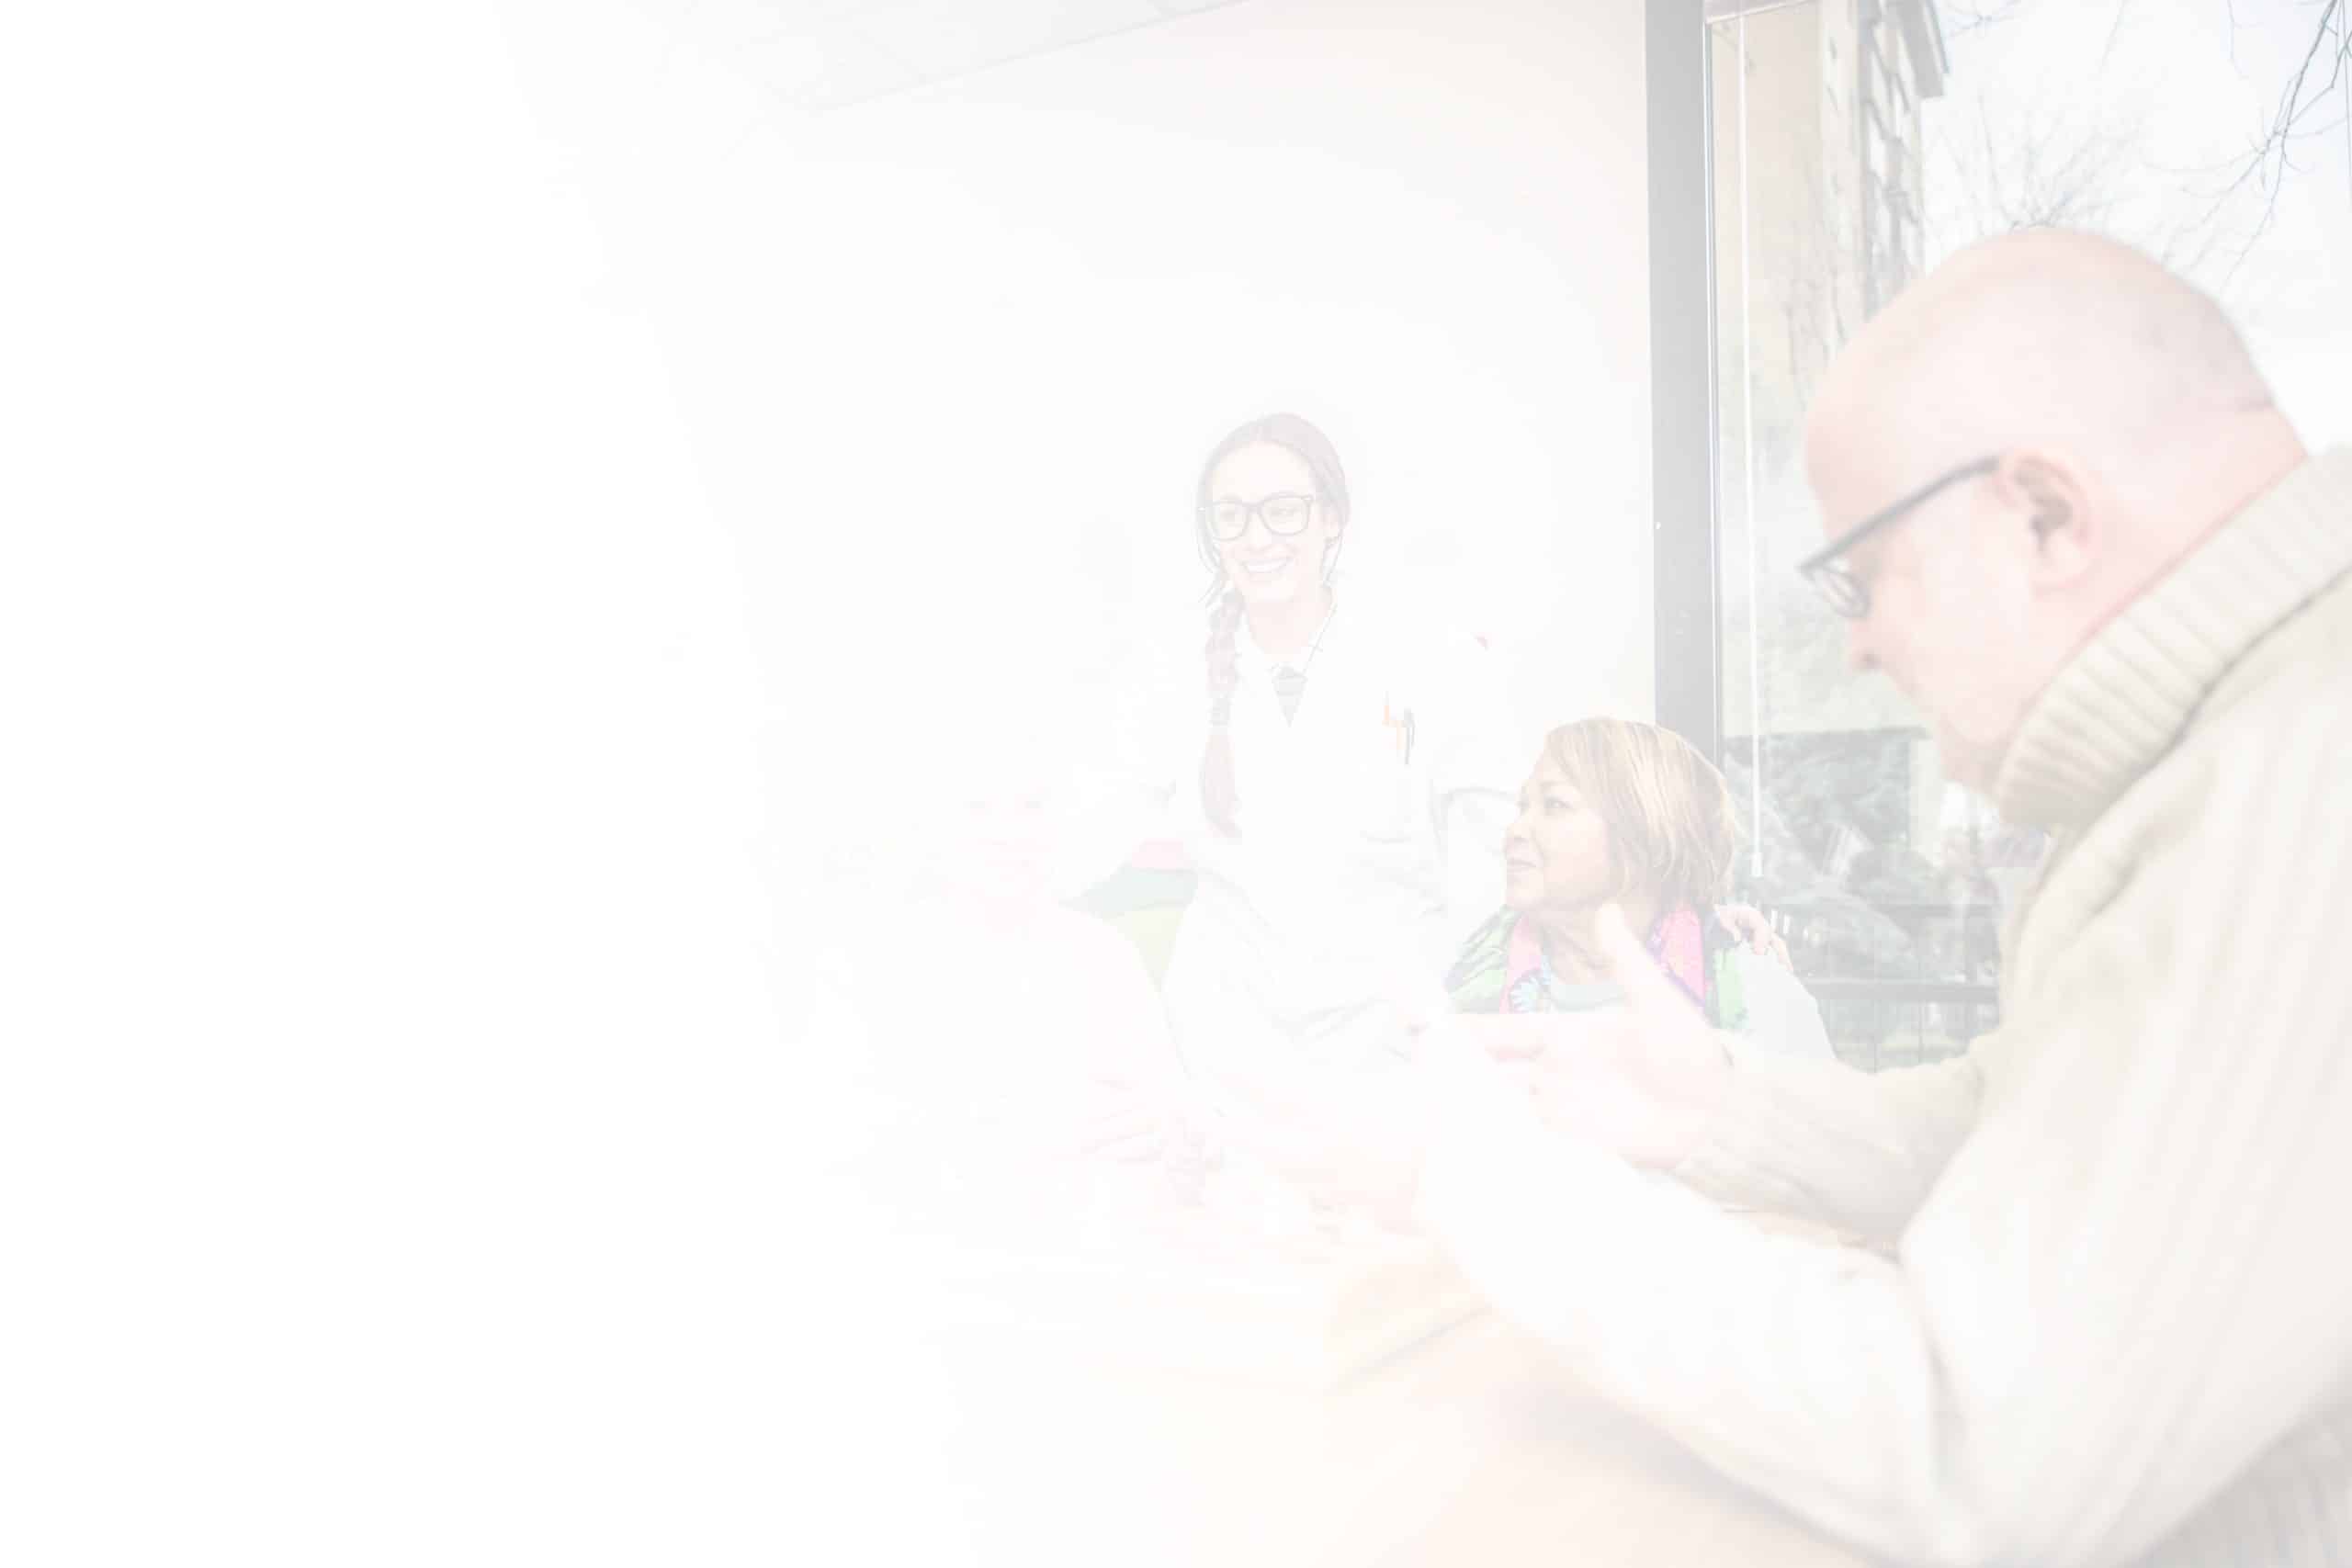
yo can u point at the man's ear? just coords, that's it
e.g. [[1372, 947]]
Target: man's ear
[[2044, 486]]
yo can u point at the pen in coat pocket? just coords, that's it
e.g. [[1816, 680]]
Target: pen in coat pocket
[[1399, 721]]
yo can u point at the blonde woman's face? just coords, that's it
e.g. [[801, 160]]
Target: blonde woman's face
[[1556, 855], [1263, 489]]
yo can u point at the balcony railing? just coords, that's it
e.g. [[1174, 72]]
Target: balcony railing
[[1899, 984]]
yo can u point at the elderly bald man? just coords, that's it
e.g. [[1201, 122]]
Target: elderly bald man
[[2104, 1309]]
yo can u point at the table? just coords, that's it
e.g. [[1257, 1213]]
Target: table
[[1472, 1447]]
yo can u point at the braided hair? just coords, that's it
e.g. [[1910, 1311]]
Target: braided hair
[[1219, 798]]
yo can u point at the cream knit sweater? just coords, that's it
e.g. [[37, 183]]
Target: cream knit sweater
[[2107, 1316]]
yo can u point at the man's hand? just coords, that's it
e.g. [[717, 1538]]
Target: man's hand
[[1642, 1080]]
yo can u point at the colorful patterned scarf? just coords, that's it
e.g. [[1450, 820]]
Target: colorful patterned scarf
[[1503, 969]]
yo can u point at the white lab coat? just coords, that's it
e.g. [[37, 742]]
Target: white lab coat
[[1369, 843]]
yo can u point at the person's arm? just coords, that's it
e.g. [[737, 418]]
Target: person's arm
[[1123, 795], [1814, 1138], [2126, 1288], [1737, 1119], [1478, 759]]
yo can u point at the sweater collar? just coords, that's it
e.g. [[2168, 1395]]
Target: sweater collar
[[2121, 701]]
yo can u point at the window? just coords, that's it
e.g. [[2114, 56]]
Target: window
[[1893, 882]]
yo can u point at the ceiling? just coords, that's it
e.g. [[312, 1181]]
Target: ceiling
[[825, 54]]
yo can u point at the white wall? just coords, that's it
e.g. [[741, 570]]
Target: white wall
[[392, 991], [959, 352], [438, 441]]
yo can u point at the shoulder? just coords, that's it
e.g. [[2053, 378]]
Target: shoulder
[[1466, 657], [1456, 652], [2283, 710], [1426, 664], [1380, 622], [1475, 981], [2305, 663], [2277, 741]]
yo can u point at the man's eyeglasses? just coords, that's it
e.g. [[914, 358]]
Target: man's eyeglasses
[[1284, 514], [1826, 568]]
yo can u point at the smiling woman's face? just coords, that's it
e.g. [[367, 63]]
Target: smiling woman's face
[[1265, 567], [1557, 854]]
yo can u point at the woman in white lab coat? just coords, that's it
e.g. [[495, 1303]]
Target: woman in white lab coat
[[1343, 779]]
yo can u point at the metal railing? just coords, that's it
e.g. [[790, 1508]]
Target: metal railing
[[1899, 984]]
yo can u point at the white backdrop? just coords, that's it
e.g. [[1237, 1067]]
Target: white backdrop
[[951, 358], [448, 444]]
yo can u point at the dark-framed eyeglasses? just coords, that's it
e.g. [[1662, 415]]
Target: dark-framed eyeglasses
[[1826, 569], [1284, 513]]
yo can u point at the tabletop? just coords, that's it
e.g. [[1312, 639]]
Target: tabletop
[[1023, 1444]]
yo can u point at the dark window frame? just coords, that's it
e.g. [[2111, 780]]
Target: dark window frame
[[1685, 444], [1687, 628]]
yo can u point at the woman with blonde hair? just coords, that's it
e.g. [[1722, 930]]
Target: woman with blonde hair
[[1628, 814]]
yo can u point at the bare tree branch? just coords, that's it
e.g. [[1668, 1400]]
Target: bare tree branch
[[1964, 19], [2115, 30], [2266, 163], [2044, 171]]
